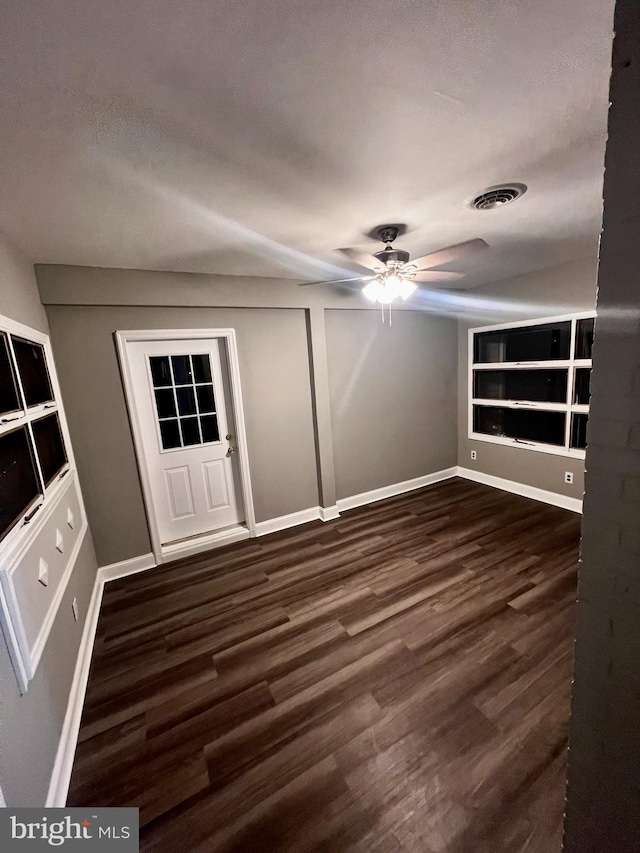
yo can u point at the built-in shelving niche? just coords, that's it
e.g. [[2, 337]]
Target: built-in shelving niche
[[39, 492]]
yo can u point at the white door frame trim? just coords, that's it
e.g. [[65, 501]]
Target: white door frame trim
[[229, 337]]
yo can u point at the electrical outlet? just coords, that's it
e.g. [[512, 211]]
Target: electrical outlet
[[43, 572], [74, 607], [474, 454], [568, 476]]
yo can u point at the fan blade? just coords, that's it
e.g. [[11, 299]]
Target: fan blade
[[336, 281], [434, 275], [450, 253], [364, 259]]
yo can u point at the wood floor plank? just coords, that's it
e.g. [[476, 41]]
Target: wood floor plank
[[394, 681]]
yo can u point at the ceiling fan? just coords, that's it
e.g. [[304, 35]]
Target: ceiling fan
[[394, 275]]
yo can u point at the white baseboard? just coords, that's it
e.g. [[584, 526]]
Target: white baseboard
[[127, 567], [395, 489], [282, 522], [562, 501], [205, 543], [61, 775], [328, 513]]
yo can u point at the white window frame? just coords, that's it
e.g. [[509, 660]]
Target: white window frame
[[568, 407], [20, 537]]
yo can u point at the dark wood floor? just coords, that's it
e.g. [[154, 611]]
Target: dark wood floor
[[395, 680]]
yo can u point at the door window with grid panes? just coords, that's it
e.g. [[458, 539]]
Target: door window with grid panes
[[185, 400]]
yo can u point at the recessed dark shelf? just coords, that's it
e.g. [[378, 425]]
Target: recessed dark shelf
[[34, 375], [19, 482], [9, 401], [49, 446]]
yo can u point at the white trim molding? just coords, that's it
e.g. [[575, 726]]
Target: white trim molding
[[536, 494], [128, 567], [395, 489], [206, 542], [282, 522], [61, 775], [328, 513], [568, 408]]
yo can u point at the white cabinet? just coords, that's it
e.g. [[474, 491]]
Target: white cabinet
[[42, 516], [50, 550]]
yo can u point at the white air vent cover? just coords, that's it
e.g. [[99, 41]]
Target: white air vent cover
[[494, 197]]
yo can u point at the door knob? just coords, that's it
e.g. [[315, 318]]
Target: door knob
[[230, 451], [228, 436]]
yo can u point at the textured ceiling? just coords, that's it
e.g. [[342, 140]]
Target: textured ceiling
[[255, 137]]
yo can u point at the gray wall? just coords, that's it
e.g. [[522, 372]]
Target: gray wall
[[393, 397], [19, 297], [603, 795], [30, 725], [556, 290], [308, 394], [274, 371]]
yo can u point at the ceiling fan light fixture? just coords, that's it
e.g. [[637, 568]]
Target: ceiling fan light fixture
[[385, 288], [406, 289], [373, 290], [395, 274], [392, 283]]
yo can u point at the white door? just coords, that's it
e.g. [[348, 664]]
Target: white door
[[187, 428]]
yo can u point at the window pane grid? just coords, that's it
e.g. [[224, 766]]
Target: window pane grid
[[181, 424], [532, 388]]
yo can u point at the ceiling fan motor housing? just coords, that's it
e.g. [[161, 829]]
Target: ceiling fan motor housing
[[393, 257]]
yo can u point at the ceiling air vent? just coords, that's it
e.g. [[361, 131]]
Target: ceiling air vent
[[494, 197]]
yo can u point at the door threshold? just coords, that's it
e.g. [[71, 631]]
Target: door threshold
[[205, 542]]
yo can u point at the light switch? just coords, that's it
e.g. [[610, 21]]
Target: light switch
[[70, 521], [59, 541], [43, 572]]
